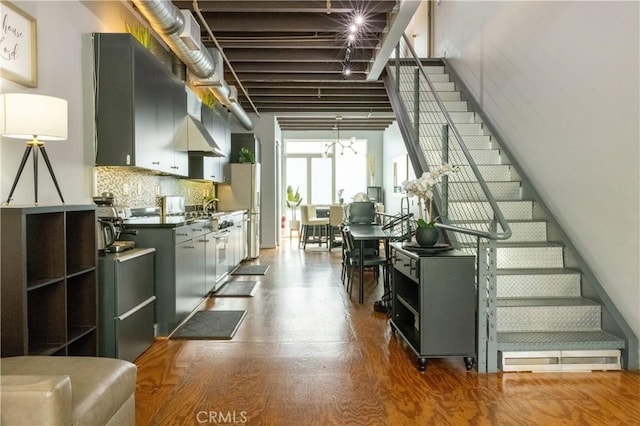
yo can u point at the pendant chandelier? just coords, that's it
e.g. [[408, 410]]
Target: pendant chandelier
[[338, 143]]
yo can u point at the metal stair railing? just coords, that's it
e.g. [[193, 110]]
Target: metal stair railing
[[431, 138]]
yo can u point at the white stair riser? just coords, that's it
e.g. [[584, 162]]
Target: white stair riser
[[495, 173], [407, 74], [464, 129], [472, 191], [529, 257], [548, 318], [463, 117], [485, 156], [540, 285], [528, 232], [521, 231], [473, 142], [512, 210]]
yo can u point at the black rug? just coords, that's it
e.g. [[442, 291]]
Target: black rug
[[210, 325], [237, 289], [251, 270]]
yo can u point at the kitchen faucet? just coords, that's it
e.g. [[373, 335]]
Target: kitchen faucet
[[209, 203]]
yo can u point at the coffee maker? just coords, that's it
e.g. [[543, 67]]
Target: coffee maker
[[110, 225]]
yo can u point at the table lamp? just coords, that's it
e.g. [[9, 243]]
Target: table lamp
[[36, 118]]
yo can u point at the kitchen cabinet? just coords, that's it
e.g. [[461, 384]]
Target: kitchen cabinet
[[188, 263], [244, 140], [48, 280], [223, 256], [126, 303], [180, 270], [140, 108], [433, 303], [238, 238], [216, 124], [210, 267]]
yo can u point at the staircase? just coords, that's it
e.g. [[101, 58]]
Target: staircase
[[539, 317]]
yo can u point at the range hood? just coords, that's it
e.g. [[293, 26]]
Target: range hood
[[199, 141]]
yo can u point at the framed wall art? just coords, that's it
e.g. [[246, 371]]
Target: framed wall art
[[18, 47]]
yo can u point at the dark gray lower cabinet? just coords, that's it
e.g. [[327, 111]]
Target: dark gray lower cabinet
[[180, 270], [433, 303], [126, 303]]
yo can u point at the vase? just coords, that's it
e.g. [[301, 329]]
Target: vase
[[427, 236]]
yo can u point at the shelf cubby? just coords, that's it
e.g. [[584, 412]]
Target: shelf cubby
[[81, 241], [45, 247], [81, 290], [46, 318]]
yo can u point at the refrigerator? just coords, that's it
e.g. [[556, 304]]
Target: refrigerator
[[243, 193]]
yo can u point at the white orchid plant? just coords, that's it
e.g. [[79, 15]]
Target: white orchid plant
[[422, 188]]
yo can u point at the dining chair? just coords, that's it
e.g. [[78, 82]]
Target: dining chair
[[336, 219], [314, 229], [371, 260]]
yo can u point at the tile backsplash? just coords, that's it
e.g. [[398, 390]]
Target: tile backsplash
[[133, 187]]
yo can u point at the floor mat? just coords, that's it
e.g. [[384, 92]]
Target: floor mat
[[210, 325], [251, 270], [237, 289]]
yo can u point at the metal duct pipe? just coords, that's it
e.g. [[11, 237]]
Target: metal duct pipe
[[167, 20], [222, 92]]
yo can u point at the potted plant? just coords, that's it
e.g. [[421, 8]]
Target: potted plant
[[246, 156], [293, 200], [426, 232]]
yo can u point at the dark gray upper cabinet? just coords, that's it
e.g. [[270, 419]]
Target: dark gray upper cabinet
[[140, 107], [244, 140], [212, 168]]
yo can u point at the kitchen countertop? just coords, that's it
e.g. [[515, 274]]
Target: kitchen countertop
[[170, 221]]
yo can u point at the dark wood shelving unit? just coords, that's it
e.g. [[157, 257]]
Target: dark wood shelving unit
[[49, 281]]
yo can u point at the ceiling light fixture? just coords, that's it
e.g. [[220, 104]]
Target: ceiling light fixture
[[343, 145]]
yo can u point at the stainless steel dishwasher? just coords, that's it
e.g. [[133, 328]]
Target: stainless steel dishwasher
[[126, 303]]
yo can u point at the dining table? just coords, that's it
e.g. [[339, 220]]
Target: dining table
[[367, 232]]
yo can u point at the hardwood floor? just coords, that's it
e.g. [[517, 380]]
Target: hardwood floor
[[308, 355]]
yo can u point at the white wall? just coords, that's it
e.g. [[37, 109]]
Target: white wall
[[560, 80], [266, 129], [63, 29], [60, 26]]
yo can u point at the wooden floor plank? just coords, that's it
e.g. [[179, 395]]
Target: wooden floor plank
[[308, 354]]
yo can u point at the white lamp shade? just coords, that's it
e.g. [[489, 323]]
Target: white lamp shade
[[23, 116]]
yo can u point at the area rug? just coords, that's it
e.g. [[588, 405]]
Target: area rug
[[210, 325], [251, 270], [237, 289]]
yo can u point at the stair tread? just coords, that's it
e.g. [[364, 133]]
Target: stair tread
[[544, 302], [511, 222], [515, 200], [521, 244], [541, 271], [558, 340], [527, 244]]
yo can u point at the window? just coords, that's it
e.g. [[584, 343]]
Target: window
[[320, 176]]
